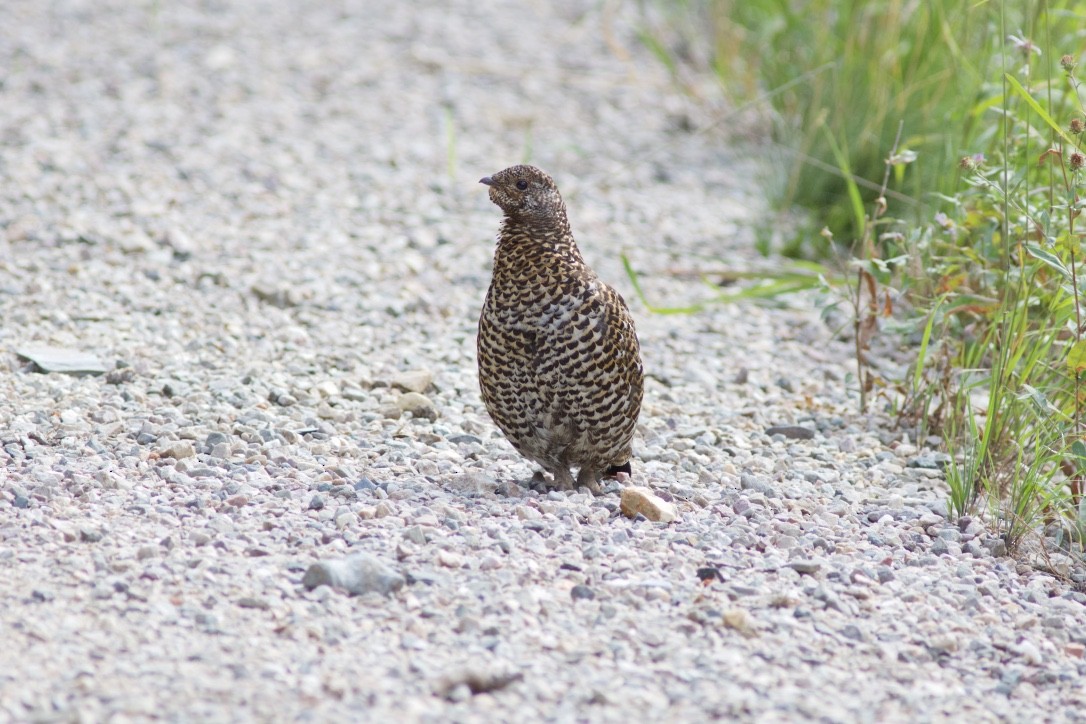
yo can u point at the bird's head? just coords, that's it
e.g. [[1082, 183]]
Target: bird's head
[[527, 194]]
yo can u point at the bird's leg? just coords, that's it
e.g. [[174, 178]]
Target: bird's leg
[[538, 482], [562, 479], [590, 479]]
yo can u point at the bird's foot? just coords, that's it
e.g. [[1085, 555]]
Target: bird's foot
[[539, 482], [589, 478], [562, 480], [511, 488], [593, 487]]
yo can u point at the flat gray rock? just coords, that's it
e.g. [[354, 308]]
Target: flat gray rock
[[357, 574], [63, 360], [793, 432]]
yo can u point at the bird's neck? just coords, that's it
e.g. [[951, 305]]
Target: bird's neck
[[534, 263], [547, 241], [535, 254]]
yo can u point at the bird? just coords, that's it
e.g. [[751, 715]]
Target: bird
[[560, 366]]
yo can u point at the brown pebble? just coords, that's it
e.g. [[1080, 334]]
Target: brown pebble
[[642, 500]]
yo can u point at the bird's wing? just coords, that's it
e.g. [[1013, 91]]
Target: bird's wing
[[587, 357]]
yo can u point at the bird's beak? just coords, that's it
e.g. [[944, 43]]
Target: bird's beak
[[486, 180]]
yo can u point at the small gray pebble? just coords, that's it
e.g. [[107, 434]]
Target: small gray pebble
[[582, 593], [459, 693], [929, 461], [316, 503], [996, 547], [804, 566], [852, 632], [752, 482], [973, 549], [215, 438], [344, 491], [792, 432], [357, 574]]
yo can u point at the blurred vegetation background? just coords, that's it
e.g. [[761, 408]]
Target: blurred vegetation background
[[934, 148]]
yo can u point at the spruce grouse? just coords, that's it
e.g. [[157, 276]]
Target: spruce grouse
[[559, 362]]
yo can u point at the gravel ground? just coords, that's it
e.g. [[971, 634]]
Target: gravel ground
[[264, 219]]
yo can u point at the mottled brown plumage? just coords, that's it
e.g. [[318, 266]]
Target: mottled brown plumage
[[559, 362]]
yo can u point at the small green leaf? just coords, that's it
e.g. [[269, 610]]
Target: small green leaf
[[1037, 398], [1078, 449], [902, 157], [1048, 258], [1076, 357]]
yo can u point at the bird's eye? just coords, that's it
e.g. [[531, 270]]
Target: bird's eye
[[522, 185]]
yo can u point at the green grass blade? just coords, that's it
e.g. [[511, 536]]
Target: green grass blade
[[635, 281], [767, 290], [1013, 82], [657, 48], [850, 181], [771, 284], [922, 353]]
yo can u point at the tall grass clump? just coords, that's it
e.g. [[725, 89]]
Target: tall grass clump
[[944, 143], [839, 78], [991, 268], [1006, 263]]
